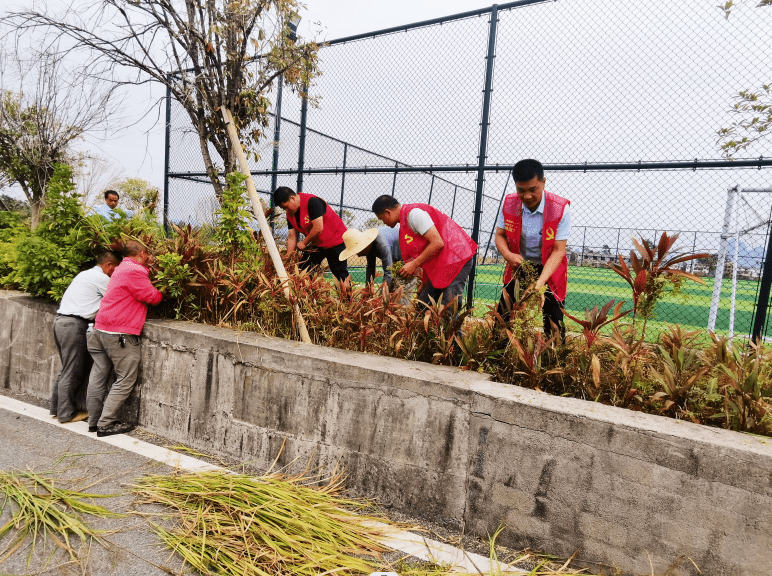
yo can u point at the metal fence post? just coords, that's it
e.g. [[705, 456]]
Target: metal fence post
[[431, 189], [302, 145], [168, 131], [493, 228], [453, 206], [394, 183], [762, 304], [276, 136], [694, 251], [483, 145], [343, 179]]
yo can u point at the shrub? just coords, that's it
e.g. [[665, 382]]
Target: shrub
[[49, 258], [12, 232], [222, 276]]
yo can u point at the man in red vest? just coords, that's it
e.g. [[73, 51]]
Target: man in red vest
[[432, 241], [322, 227], [534, 226]]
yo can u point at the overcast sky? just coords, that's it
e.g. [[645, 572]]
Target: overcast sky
[[625, 76], [139, 148]]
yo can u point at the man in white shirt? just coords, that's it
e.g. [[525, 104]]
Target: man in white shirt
[[77, 310], [429, 239], [107, 210]]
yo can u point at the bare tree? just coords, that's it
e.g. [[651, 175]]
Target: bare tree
[[93, 175], [50, 108], [207, 53]]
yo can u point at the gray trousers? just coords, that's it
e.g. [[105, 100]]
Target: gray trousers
[[453, 290], [70, 338], [108, 355]]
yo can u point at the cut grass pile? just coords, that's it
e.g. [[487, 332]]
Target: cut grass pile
[[277, 524], [267, 525], [40, 509]]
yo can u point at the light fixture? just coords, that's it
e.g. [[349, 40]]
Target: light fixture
[[294, 20]]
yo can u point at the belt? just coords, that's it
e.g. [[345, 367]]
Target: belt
[[75, 316]]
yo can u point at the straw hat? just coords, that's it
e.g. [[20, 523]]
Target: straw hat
[[357, 241]]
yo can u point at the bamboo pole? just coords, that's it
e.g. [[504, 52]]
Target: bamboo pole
[[261, 219]]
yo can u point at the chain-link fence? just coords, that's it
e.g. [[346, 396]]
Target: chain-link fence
[[621, 101]]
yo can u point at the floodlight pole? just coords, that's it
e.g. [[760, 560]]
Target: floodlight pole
[[302, 143], [276, 137], [167, 132], [257, 208]]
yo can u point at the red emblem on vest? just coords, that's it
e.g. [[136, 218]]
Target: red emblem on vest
[[554, 206]]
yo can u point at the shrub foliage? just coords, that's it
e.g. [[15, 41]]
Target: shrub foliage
[[223, 276]]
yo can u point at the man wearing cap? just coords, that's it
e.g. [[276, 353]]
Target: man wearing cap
[[115, 343], [431, 240], [76, 311], [380, 243], [322, 227], [534, 226]]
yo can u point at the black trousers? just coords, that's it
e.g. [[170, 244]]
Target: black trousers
[[552, 310], [338, 267]]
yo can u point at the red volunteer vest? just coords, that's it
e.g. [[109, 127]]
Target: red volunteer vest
[[332, 233], [513, 220], [447, 263]]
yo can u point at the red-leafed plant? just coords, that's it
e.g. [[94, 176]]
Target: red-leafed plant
[[596, 319], [649, 275]]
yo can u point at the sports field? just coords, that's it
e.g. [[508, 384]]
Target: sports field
[[590, 286]]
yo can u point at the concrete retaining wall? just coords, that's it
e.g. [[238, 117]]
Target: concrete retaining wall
[[449, 445]]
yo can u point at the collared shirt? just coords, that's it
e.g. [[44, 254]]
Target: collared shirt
[[109, 214], [533, 222], [124, 307], [84, 294]]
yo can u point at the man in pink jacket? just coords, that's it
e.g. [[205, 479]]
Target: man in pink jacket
[[115, 342]]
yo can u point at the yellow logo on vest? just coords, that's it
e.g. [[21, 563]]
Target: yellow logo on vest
[[306, 220], [408, 239], [549, 234]]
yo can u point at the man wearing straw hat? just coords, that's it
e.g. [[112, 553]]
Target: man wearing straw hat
[[380, 243], [430, 239], [322, 227]]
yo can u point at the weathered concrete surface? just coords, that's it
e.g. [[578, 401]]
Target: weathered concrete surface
[[627, 488]]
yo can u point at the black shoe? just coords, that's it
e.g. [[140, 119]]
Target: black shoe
[[114, 428], [92, 428]]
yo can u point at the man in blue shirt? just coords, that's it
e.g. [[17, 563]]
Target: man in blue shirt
[[380, 243], [107, 210], [534, 226]]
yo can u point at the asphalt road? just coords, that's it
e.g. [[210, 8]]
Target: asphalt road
[[30, 439], [131, 548]]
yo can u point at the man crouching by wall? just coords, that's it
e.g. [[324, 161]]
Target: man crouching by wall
[[115, 341], [79, 305]]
